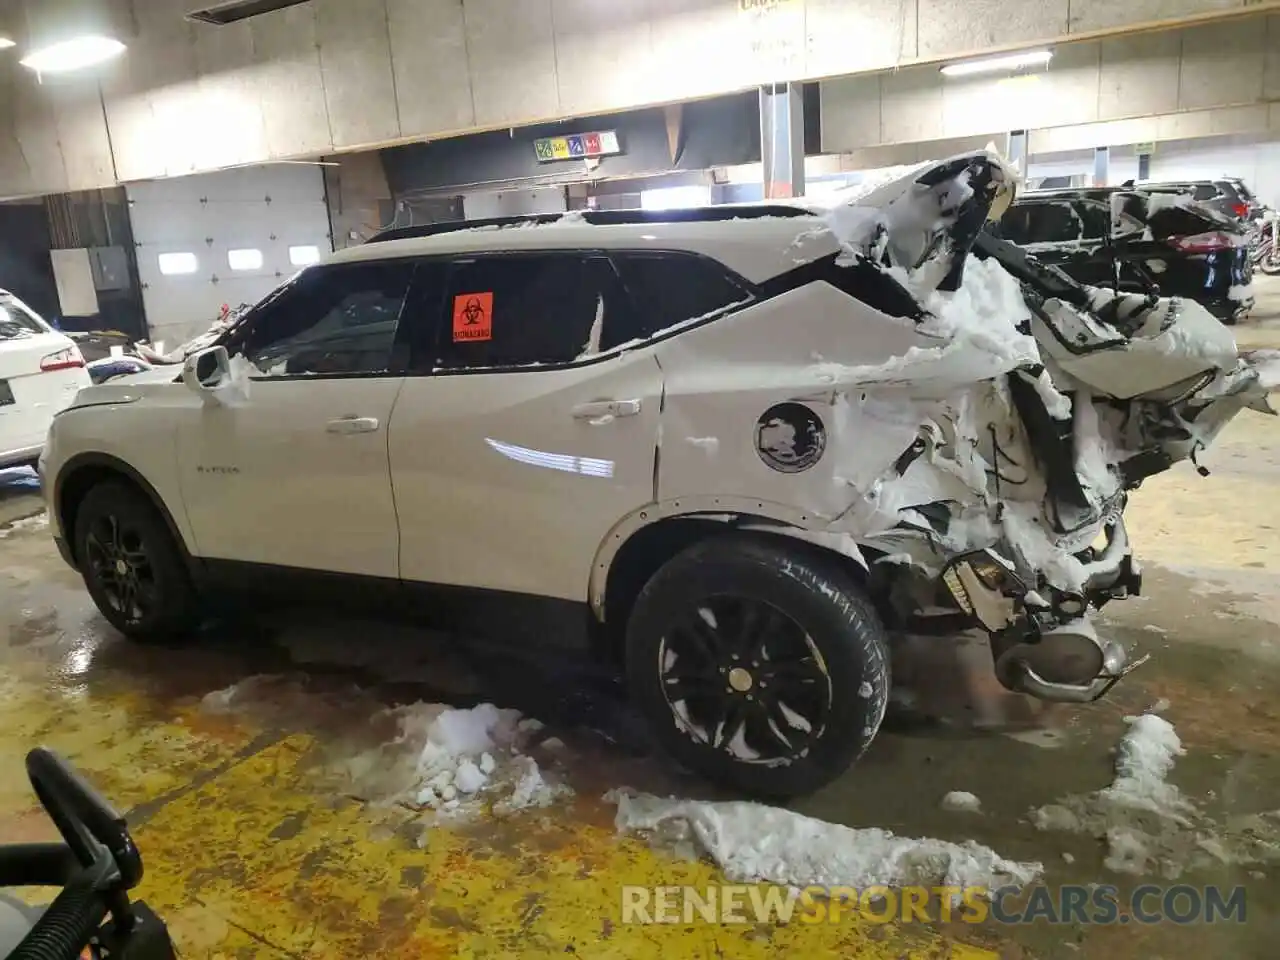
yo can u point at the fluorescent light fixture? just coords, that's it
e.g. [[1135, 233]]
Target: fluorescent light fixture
[[676, 198], [73, 54], [1010, 61], [6, 43], [172, 264], [305, 255]]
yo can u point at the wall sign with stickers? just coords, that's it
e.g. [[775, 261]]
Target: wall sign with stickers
[[790, 437], [472, 317]]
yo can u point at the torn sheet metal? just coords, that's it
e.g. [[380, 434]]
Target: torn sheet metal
[[999, 432]]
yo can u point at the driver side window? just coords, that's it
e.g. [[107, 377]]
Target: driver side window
[[336, 319]]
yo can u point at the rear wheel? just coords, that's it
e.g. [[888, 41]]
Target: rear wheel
[[758, 665], [132, 565]]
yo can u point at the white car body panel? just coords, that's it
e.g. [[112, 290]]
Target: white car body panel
[[37, 394], [499, 484], [274, 478]]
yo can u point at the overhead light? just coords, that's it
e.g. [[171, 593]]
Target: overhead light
[[73, 54], [6, 43], [1010, 61]]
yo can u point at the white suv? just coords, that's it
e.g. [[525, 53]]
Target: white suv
[[734, 448]]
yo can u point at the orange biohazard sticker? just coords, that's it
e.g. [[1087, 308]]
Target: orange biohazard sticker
[[472, 317]]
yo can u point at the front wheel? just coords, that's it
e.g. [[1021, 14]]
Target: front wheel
[[132, 565], [759, 664]]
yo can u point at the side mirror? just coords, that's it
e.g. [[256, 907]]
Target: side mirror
[[207, 371]]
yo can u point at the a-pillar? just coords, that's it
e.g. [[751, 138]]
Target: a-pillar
[[782, 139]]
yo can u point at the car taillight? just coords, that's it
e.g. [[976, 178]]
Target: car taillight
[[1241, 209], [67, 359], [1203, 242]]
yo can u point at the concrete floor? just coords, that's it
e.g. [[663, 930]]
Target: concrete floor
[[253, 848]]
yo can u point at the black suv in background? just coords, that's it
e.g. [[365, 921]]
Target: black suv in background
[[1228, 195], [1162, 241]]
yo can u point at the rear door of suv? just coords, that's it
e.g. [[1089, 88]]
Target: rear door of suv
[[522, 436]]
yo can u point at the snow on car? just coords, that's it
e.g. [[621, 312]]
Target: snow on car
[[40, 372], [736, 449]]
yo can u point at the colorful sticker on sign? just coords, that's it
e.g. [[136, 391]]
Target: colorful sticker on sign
[[472, 317], [543, 150], [592, 142], [560, 148], [576, 146]]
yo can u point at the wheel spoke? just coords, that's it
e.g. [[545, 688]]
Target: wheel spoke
[[795, 674], [732, 717], [764, 626], [704, 640], [689, 684], [773, 723]]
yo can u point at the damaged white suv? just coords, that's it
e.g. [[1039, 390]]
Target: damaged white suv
[[737, 448]]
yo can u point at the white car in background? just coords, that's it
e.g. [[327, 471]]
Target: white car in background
[[41, 371], [736, 449]]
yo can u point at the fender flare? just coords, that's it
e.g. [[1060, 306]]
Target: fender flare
[[758, 514], [107, 461]]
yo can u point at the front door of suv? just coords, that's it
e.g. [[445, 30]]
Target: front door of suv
[[296, 474], [519, 439]]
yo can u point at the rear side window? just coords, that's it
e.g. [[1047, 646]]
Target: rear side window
[[1095, 219], [1181, 222], [514, 311], [1205, 191], [670, 288], [16, 323], [1052, 221]]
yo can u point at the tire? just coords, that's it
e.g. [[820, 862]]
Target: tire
[[824, 642], [166, 606]]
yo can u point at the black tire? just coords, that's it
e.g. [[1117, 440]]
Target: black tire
[[166, 606], [820, 604]]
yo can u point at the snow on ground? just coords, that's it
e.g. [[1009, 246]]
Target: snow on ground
[[38, 522], [753, 842], [961, 801], [440, 758], [1149, 827]]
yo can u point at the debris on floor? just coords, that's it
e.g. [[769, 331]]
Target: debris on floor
[[1149, 827], [753, 842], [38, 522]]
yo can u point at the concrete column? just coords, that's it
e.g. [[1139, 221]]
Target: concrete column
[[1101, 165], [1016, 149], [782, 139]]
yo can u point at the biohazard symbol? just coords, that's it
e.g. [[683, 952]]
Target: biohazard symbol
[[472, 316]]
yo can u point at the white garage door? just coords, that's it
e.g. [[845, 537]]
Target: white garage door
[[223, 238]]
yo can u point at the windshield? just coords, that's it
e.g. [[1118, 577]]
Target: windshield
[[17, 322]]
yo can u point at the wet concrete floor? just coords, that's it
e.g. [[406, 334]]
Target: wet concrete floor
[[254, 849]]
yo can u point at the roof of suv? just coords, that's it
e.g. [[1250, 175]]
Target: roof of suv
[[758, 241]]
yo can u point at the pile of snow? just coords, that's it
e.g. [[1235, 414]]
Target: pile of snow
[[38, 522], [438, 758], [961, 801], [1148, 826], [752, 842]]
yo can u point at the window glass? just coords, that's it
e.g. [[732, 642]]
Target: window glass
[[1205, 191], [244, 259], [1053, 221], [305, 255], [339, 319], [670, 288], [1096, 220], [16, 323], [512, 311], [178, 263]]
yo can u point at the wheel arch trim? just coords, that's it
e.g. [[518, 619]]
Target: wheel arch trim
[[115, 464], [735, 512]]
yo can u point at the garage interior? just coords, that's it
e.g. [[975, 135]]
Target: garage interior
[[263, 769]]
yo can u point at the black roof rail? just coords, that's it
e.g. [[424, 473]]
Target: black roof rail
[[601, 218]]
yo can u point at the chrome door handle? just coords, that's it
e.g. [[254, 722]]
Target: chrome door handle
[[601, 409], [347, 425]]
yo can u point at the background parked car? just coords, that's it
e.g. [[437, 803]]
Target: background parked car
[[41, 370], [1161, 241], [1229, 196]]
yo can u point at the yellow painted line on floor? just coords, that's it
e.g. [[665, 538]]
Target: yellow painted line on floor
[[251, 850]]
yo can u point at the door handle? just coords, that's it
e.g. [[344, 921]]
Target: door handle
[[606, 409], [348, 425]]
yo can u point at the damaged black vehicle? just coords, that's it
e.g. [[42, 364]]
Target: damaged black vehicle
[[1138, 240]]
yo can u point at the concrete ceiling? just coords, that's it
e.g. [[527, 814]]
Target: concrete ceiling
[[335, 75]]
